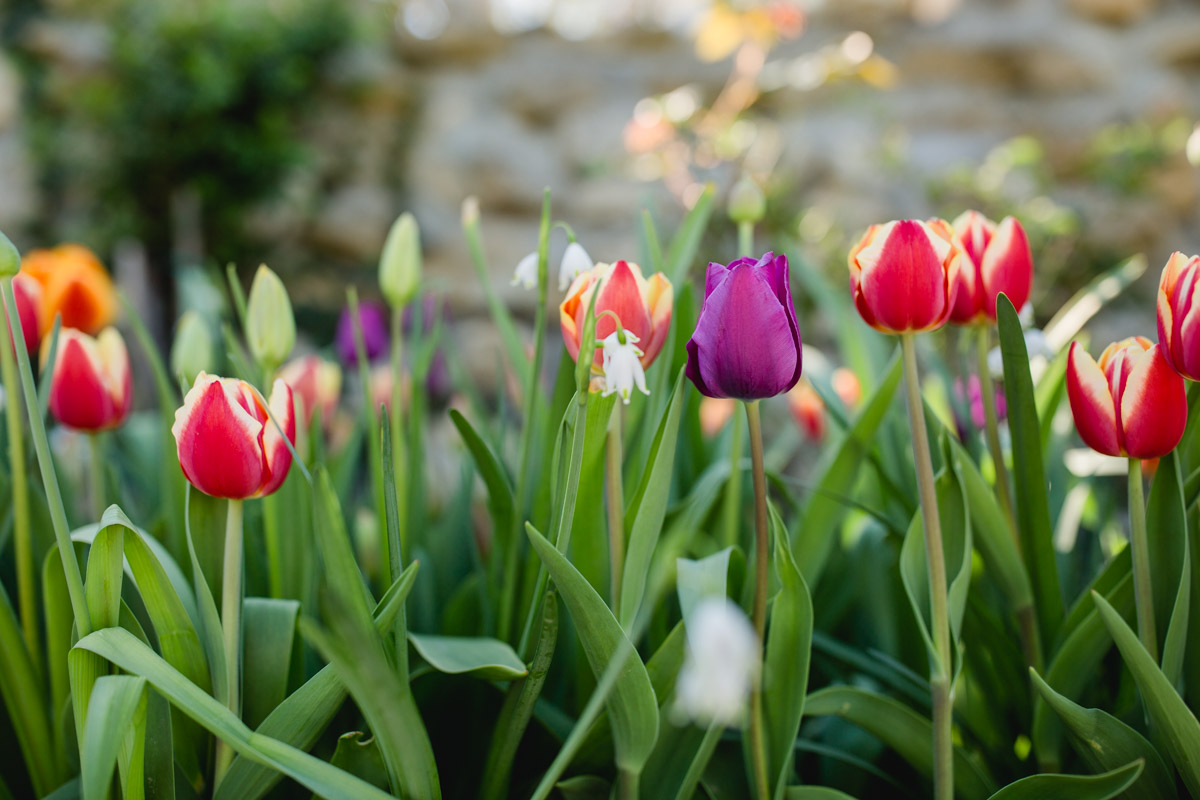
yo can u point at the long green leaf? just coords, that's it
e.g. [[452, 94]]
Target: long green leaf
[[124, 650], [839, 471], [1175, 644], [489, 659], [1072, 787], [23, 699], [1105, 743], [1033, 507], [789, 649], [360, 757], [644, 517], [270, 631], [116, 701], [902, 729], [499, 487], [1174, 720], [1166, 533], [632, 706], [815, 793]]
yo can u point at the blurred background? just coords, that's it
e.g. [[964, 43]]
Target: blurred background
[[176, 137]]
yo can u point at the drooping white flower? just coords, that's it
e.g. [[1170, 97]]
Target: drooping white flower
[[622, 367], [720, 667], [526, 273], [575, 261]]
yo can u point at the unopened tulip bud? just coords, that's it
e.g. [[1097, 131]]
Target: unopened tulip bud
[[270, 325], [10, 259], [747, 203], [192, 351], [91, 387], [400, 262]]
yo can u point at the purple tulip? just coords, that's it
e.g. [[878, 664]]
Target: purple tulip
[[373, 317], [746, 344]]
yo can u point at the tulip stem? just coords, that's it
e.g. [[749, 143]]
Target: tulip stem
[[758, 742], [231, 622], [41, 445], [939, 680], [399, 448], [988, 390], [1142, 589], [96, 446], [745, 238], [615, 496], [733, 487], [22, 529]]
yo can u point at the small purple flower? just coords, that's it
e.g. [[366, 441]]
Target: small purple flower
[[746, 344], [373, 317]]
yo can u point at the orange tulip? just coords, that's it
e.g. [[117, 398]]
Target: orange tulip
[[75, 285]]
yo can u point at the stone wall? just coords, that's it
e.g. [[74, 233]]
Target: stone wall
[[406, 123]]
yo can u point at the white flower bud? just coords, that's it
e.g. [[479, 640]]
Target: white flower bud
[[526, 273], [622, 366], [575, 261]]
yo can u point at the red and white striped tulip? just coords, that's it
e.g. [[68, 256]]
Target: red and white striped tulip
[[1179, 314], [91, 387], [318, 384], [903, 275], [1131, 403], [996, 258], [28, 293], [228, 446]]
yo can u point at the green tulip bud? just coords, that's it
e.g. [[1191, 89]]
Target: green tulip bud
[[747, 203], [10, 259], [400, 262], [270, 326], [192, 351]]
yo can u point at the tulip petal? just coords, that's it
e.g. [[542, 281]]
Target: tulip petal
[[1007, 266], [1091, 402], [118, 377], [1184, 355], [79, 395], [219, 441], [1153, 406], [660, 301], [275, 450], [749, 349], [622, 295]]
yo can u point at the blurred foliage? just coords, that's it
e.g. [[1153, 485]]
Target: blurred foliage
[[202, 97], [1123, 156]]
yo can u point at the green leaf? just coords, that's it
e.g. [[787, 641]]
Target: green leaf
[[644, 516], [1105, 743], [1033, 505], [270, 632], [22, 694], [814, 793], [902, 729], [204, 524], [677, 262], [632, 706], [105, 573], [839, 470], [499, 487], [489, 659], [1175, 645], [117, 700], [1172, 718], [124, 650], [1072, 787], [360, 756], [584, 787], [789, 648], [301, 718], [1166, 534]]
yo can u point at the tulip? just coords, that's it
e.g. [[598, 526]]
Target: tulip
[[228, 446], [74, 285], [317, 382], [995, 259], [270, 324], [400, 261], [1179, 314], [28, 294], [747, 203], [1131, 403], [373, 319], [643, 307], [746, 344], [721, 664], [903, 275], [91, 388], [192, 352], [809, 410], [847, 387], [715, 413]]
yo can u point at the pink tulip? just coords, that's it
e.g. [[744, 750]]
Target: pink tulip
[[228, 446], [1131, 403]]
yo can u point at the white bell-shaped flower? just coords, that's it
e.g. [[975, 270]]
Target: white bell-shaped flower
[[575, 262], [526, 273], [622, 366], [721, 665]]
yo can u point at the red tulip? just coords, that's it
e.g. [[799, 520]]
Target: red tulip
[[903, 275], [1130, 404], [809, 410], [91, 388], [28, 293], [228, 446], [1179, 315], [317, 382], [996, 259], [644, 307]]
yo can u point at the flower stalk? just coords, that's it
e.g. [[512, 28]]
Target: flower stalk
[[939, 681], [1140, 550], [615, 499], [758, 742], [96, 447], [992, 424], [231, 622]]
